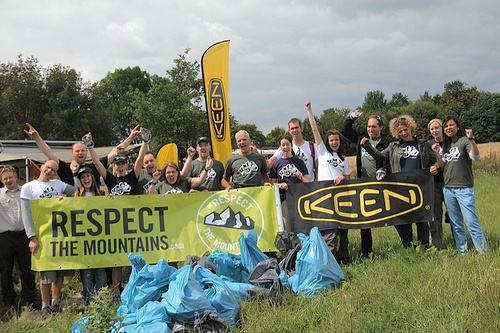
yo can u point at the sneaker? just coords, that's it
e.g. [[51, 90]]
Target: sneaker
[[56, 308], [46, 311]]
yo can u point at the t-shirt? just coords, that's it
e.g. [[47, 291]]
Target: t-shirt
[[66, 175], [245, 170], [330, 165], [284, 169], [368, 163], [458, 165], [145, 178], [214, 176], [410, 160], [166, 188], [122, 185], [304, 153]]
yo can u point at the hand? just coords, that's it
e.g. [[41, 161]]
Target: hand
[[209, 163], [355, 114], [283, 186], [74, 166], [134, 133], [380, 173], [145, 134], [87, 140], [190, 152], [307, 104], [337, 180], [434, 170], [33, 245], [31, 132], [157, 175], [468, 133], [435, 147], [363, 141], [298, 175]]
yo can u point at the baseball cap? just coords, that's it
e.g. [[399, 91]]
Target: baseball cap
[[203, 138], [83, 170], [120, 159]]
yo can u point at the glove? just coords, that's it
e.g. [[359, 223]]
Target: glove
[[145, 134], [380, 174], [87, 140], [355, 114]]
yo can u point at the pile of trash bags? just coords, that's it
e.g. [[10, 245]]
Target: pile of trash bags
[[204, 295]]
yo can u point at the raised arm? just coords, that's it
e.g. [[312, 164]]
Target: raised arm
[[189, 161], [312, 121], [140, 157], [42, 145], [98, 165], [122, 146], [197, 181]]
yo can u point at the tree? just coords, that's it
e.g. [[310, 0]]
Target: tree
[[273, 136], [172, 107], [115, 95], [255, 135], [483, 117], [374, 102], [398, 99], [457, 98]]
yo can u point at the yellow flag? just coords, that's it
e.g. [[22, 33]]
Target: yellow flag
[[215, 69]]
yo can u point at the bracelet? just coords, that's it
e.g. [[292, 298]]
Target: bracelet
[[207, 169], [471, 138]]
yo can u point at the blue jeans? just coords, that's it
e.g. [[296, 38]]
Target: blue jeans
[[88, 276], [461, 205]]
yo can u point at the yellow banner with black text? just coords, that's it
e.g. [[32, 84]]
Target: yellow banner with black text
[[399, 198], [94, 232]]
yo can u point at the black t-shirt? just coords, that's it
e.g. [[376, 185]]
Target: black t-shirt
[[122, 185], [66, 175], [411, 156]]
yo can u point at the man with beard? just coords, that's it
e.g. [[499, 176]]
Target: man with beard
[[246, 168], [45, 187], [214, 176]]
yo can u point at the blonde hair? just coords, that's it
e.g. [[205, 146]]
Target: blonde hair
[[435, 120], [403, 120]]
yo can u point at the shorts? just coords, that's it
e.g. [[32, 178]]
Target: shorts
[[47, 277]]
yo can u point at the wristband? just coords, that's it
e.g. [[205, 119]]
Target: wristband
[[207, 169], [471, 138]]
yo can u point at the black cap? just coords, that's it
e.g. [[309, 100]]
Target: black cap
[[120, 159], [203, 138], [83, 170]]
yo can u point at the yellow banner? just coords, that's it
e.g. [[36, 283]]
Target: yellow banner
[[215, 70], [93, 232]]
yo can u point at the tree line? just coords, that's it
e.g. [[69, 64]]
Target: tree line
[[62, 106]]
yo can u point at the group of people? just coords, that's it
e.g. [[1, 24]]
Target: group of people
[[447, 156]]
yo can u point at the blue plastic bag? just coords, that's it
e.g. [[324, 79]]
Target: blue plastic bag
[[185, 300], [152, 317], [229, 265], [146, 283], [316, 268], [251, 255], [218, 293]]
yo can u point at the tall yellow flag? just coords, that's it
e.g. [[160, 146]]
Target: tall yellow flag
[[215, 69]]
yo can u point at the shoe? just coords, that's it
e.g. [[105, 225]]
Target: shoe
[[46, 311], [56, 308]]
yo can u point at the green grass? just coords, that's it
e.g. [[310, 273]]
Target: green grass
[[396, 290]]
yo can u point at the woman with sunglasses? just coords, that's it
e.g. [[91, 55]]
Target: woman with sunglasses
[[407, 153]]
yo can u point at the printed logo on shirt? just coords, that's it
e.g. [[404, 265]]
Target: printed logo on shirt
[[211, 174], [248, 168], [121, 188], [454, 154], [365, 153], [301, 154], [174, 190], [287, 171], [336, 162], [49, 192], [410, 152]]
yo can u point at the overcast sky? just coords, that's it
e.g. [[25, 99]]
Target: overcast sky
[[282, 52]]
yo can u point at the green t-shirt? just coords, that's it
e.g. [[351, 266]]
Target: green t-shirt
[[214, 176], [368, 163], [458, 165], [245, 170]]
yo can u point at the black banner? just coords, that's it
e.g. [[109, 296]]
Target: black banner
[[399, 198]]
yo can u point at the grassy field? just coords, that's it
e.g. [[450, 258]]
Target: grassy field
[[396, 290]]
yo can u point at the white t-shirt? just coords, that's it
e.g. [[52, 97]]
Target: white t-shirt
[[330, 165], [304, 153]]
